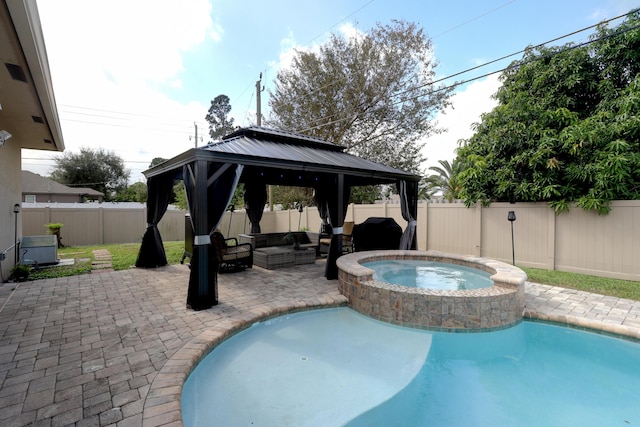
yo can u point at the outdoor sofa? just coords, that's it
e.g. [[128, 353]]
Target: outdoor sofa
[[282, 249]]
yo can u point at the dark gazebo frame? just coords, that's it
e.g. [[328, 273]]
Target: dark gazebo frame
[[259, 157]]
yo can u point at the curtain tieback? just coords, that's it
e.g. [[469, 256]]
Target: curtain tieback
[[149, 225], [201, 240], [413, 223], [337, 230]]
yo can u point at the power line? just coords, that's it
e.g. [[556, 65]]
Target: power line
[[159, 123], [431, 83], [163, 118], [473, 19], [344, 79], [314, 38], [481, 76]]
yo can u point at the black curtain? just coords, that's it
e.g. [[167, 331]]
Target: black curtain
[[209, 188], [159, 191], [336, 197], [408, 191], [323, 208], [255, 199], [223, 179]]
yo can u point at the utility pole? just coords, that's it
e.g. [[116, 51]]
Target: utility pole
[[259, 89], [196, 137]]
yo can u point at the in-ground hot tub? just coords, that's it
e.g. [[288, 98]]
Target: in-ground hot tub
[[493, 307]]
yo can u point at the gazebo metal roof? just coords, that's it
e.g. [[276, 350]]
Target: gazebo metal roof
[[261, 148]]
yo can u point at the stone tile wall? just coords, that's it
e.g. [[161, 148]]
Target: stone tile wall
[[496, 307]]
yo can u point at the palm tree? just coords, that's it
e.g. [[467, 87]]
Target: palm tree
[[445, 179]]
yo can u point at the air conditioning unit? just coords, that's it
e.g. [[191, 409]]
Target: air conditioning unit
[[39, 250]]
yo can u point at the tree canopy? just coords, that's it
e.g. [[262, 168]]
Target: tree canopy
[[372, 93], [156, 161], [136, 192], [445, 180], [99, 169], [219, 122], [566, 128]]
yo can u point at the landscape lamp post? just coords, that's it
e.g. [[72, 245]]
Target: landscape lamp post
[[512, 217], [16, 211], [300, 210], [232, 208]]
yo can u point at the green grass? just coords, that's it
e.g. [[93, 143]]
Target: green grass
[[123, 256], [598, 285]]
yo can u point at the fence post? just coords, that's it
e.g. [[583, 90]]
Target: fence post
[[551, 239], [101, 219], [478, 225], [426, 225]]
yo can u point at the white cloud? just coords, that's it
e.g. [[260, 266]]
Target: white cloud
[[467, 106], [109, 62], [216, 32], [350, 31], [288, 46]]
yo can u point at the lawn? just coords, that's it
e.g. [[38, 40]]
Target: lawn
[[581, 282], [124, 257]]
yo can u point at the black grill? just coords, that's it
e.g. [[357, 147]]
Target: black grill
[[377, 233]]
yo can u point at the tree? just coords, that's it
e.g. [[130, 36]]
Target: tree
[[99, 169], [156, 161], [445, 180], [373, 94], [566, 128], [288, 197], [136, 192], [219, 122], [180, 196]]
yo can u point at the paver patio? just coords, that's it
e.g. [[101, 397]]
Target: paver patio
[[113, 348]]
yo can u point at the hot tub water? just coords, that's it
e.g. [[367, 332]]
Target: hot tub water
[[429, 275]]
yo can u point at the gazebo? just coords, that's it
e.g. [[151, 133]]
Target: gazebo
[[258, 157]]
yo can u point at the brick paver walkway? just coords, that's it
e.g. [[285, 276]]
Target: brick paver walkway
[[112, 349]]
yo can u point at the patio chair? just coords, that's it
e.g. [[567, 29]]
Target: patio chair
[[347, 241], [231, 255]]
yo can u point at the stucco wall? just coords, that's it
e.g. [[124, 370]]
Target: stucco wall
[[10, 194]]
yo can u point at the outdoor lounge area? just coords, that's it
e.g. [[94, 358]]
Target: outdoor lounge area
[[284, 249], [257, 157], [72, 355]]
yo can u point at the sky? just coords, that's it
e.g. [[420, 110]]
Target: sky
[[136, 77]]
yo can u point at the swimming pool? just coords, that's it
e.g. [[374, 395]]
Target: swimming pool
[[337, 367]]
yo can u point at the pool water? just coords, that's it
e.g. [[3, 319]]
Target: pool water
[[336, 367], [429, 274]]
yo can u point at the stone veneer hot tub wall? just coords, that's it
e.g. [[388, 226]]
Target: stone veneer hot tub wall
[[495, 307]]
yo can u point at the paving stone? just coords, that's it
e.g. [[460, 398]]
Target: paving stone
[[101, 344], [38, 400], [111, 416]]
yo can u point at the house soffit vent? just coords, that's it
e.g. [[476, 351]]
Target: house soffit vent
[[16, 72]]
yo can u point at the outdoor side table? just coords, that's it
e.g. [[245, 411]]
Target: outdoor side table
[[273, 257]]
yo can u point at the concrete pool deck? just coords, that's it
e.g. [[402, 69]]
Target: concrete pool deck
[[112, 349]]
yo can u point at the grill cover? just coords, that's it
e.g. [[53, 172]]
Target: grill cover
[[377, 233]]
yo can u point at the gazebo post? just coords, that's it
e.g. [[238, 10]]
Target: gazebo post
[[335, 249], [340, 211], [205, 293]]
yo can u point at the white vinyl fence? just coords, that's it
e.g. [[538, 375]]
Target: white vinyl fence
[[576, 241]]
